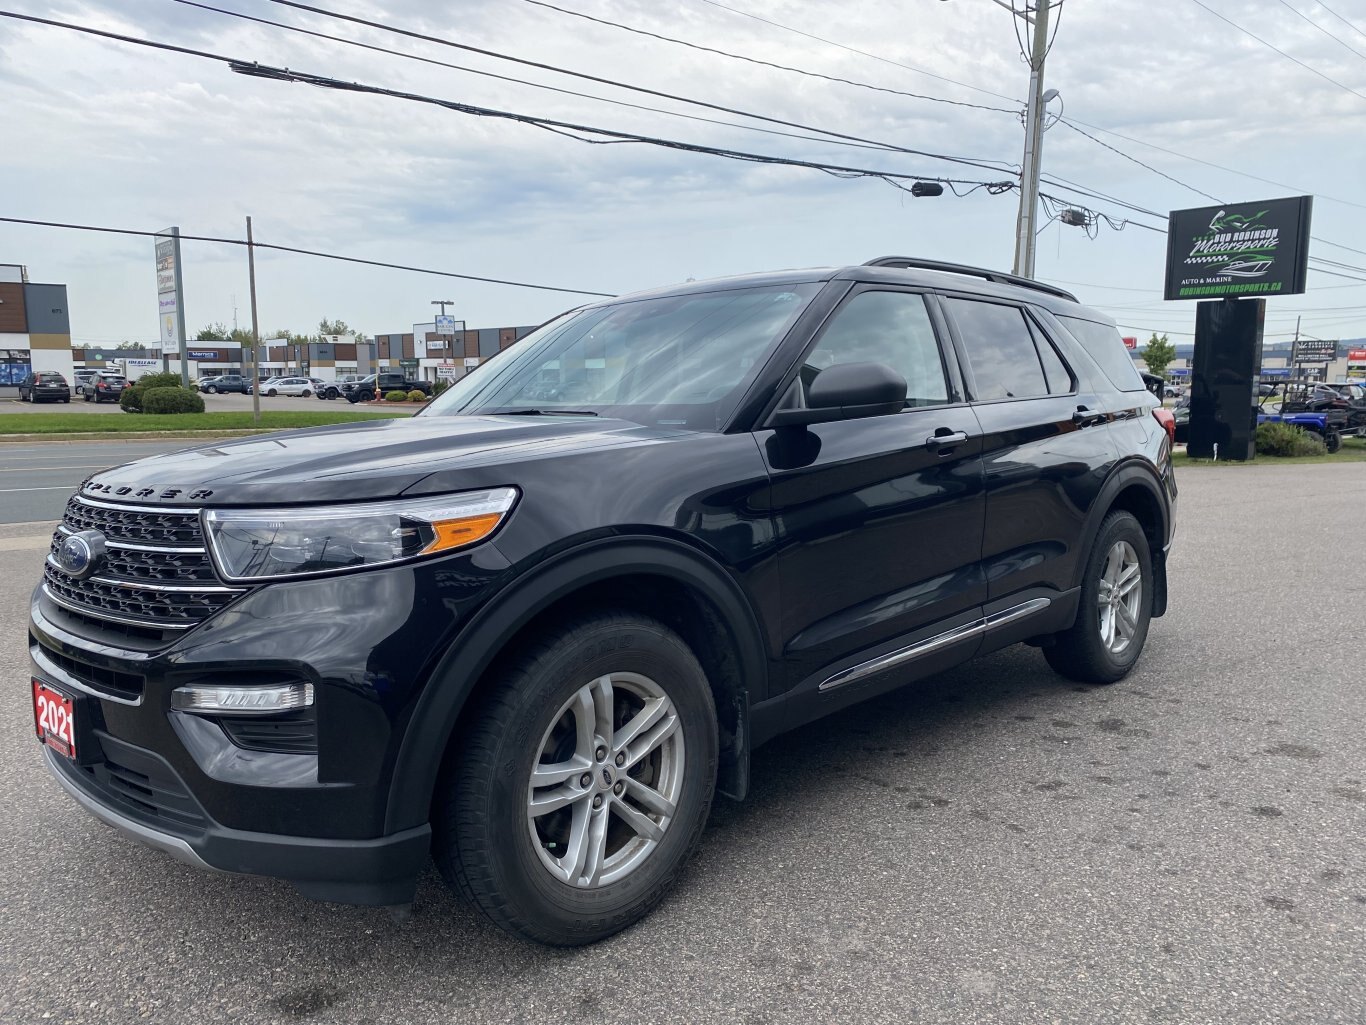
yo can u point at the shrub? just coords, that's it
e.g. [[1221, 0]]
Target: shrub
[[131, 399], [396, 396], [416, 396], [172, 399], [1279, 439], [440, 386]]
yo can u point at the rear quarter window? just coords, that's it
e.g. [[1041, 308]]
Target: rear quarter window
[[1103, 344]]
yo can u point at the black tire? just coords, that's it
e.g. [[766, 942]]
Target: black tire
[[1332, 441], [272, 393], [305, 394], [482, 841], [1080, 653]]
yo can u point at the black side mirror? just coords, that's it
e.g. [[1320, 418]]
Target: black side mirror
[[847, 391]]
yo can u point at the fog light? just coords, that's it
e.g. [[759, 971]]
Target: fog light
[[242, 700]]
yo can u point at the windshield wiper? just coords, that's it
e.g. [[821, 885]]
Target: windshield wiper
[[544, 412]]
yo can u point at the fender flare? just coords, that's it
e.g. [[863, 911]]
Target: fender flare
[[1130, 472], [432, 720]]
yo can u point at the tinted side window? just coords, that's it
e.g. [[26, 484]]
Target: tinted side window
[[1000, 349], [1103, 344], [885, 327], [1060, 381]]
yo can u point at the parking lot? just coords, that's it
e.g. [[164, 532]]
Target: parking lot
[[212, 404], [998, 845]]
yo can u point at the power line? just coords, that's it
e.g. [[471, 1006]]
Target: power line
[[1140, 163], [862, 53], [578, 132], [1272, 46], [1304, 17], [308, 252], [520, 81], [765, 63], [1340, 18], [624, 85]]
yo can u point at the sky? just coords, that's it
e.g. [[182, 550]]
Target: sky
[[107, 133]]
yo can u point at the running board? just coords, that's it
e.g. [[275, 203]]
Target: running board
[[932, 644]]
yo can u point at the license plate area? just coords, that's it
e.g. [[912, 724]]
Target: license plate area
[[62, 722]]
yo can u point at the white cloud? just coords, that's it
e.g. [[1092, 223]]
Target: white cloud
[[115, 134]]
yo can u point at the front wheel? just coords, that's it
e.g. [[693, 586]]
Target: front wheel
[[572, 801], [1332, 441], [1116, 601]]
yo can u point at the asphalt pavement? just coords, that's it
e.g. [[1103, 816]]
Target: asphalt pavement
[[36, 478], [998, 845]]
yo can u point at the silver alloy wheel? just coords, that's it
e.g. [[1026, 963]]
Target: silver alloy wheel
[[607, 780], [1120, 597]]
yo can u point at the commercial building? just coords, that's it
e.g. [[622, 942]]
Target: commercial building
[[428, 355], [35, 327]]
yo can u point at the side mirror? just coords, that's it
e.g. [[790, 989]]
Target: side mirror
[[847, 391]]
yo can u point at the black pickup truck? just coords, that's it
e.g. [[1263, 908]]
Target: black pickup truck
[[367, 388]]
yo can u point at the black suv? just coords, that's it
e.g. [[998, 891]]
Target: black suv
[[531, 640]]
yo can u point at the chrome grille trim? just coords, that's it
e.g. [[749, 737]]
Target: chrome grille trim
[[95, 613]]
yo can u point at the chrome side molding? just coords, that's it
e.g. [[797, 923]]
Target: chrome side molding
[[936, 643]]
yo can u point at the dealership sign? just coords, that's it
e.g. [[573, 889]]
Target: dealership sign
[[1314, 350], [1242, 249]]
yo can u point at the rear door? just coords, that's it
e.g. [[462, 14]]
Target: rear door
[[879, 519], [1045, 447]]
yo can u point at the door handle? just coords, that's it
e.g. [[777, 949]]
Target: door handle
[[948, 439], [1084, 417]]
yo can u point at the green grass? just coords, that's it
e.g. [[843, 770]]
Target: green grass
[[1353, 451], [121, 423]]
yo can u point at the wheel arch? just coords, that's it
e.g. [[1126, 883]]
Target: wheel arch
[[685, 589], [1134, 487]]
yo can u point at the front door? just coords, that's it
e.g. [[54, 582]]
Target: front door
[[880, 519]]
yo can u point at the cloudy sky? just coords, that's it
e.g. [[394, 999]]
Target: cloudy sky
[[108, 133]]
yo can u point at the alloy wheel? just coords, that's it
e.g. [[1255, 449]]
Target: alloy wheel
[[1120, 597], [607, 780]]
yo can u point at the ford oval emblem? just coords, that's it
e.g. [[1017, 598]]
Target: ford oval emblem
[[80, 554]]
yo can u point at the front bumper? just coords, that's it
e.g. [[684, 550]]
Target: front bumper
[[379, 871]]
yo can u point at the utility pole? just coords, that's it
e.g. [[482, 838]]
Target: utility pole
[[1025, 229], [255, 332]]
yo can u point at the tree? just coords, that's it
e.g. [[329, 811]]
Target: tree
[[333, 327], [1157, 354], [129, 345], [212, 333]]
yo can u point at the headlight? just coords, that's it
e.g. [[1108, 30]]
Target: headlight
[[277, 544]]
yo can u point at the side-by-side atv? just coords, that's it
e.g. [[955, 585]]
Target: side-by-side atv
[[1300, 404]]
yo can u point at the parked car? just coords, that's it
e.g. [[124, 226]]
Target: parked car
[[105, 387], [80, 379], [226, 383], [44, 386], [297, 386], [367, 389], [532, 639], [336, 389]]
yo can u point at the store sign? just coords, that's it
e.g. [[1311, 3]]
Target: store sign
[[446, 370], [408, 364], [170, 293], [471, 361], [201, 354], [1130, 343], [1356, 364], [1242, 249], [437, 344], [1314, 350]]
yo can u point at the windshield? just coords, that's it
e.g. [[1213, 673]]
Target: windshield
[[679, 360]]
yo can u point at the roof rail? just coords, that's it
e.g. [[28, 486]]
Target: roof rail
[[1000, 277]]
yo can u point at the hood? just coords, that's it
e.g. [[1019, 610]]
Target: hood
[[357, 461]]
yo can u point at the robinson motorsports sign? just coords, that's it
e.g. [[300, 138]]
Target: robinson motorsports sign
[[1239, 249]]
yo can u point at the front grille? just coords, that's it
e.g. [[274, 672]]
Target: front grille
[[156, 574], [109, 681]]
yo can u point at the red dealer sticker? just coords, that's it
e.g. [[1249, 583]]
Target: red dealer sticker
[[54, 719]]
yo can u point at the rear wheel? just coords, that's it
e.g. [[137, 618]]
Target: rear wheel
[[1104, 643], [569, 806], [305, 394], [272, 393]]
